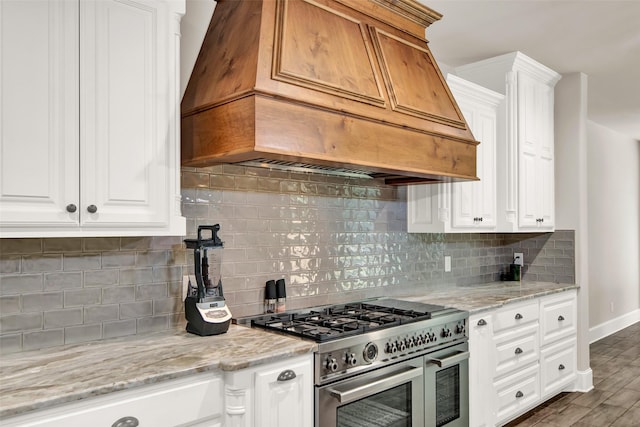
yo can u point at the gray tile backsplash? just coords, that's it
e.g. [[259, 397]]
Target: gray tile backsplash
[[333, 239]]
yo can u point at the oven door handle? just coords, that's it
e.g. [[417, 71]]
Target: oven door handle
[[381, 384], [458, 357]]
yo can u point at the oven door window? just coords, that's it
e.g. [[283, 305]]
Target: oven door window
[[447, 395], [390, 408]]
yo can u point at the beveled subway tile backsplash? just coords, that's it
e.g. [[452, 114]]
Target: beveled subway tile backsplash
[[333, 239]]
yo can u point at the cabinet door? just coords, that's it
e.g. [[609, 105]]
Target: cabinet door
[[529, 142], [484, 129], [481, 361], [38, 113], [546, 160], [464, 213], [284, 396], [124, 128]]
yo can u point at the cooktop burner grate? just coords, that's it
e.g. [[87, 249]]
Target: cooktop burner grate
[[341, 320]]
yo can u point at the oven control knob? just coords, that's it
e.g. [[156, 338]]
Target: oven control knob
[[410, 343], [370, 352], [460, 329], [332, 364], [391, 347], [401, 345], [419, 340], [431, 337], [445, 333], [351, 360]]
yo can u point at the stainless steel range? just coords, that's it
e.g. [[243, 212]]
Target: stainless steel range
[[384, 363]]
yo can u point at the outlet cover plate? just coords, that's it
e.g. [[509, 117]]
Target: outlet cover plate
[[519, 258]]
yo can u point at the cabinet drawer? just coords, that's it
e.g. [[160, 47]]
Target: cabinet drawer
[[517, 393], [557, 367], [516, 349], [558, 317], [516, 315], [161, 405]]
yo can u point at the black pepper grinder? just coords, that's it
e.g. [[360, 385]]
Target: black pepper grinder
[[281, 296], [270, 297]]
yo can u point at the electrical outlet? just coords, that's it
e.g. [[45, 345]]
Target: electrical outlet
[[518, 258], [447, 263]]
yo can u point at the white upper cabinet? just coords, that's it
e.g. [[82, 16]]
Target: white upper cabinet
[[525, 139], [90, 110], [462, 206]]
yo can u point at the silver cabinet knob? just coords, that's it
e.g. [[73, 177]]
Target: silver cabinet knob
[[92, 209], [71, 208], [561, 367], [518, 350], [519, 394], [518, 316], [482, 322], [126, 422], [560, 318]]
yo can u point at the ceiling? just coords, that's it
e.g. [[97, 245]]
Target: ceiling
[[598, 38]]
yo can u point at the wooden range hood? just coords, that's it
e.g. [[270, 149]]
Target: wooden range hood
[[346, 85]]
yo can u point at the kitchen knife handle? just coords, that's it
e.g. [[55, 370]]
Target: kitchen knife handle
[[126, 422], [286, 375], [92, 209]]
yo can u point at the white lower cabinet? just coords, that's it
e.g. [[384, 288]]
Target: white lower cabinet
[[520, 355], [275, 395], [278, 394], [558, 366], [191, 401], [517, 393]]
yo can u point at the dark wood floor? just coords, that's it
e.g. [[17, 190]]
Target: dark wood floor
[[615, 398]]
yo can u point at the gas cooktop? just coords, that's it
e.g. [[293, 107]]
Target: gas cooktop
[[344, 320]]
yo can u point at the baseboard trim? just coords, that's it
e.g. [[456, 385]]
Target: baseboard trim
[[584, 381], [614, 325]]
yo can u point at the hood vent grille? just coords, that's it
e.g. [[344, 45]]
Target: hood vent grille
[[304, 167], [344, 87]]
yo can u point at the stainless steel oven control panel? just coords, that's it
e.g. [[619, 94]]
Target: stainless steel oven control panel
[[353, 355]]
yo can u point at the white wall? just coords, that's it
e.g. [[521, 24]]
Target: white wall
[[193, 27], [614, 227]]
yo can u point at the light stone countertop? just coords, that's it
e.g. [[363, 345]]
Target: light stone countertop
[[487, 296], [49, 377], [44, 378]]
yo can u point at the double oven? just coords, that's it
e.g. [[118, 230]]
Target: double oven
[[384, 362]]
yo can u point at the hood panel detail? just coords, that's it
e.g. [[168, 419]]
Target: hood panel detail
[[345, 84]]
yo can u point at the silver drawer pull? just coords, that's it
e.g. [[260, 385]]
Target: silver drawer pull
[[519, 394], [286, 375], [561, 367], [560, 318], [126, 422], [518, 316], [518, 350], [482, 322]]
